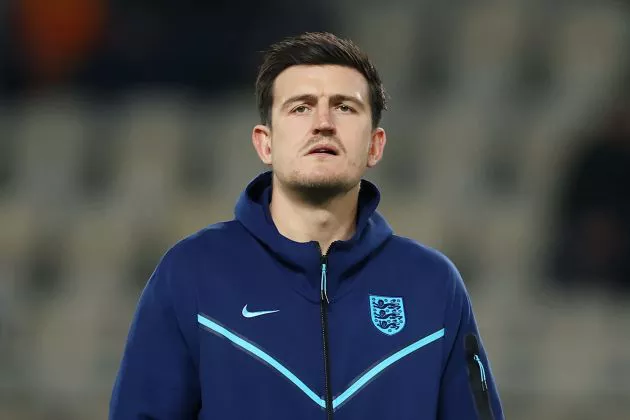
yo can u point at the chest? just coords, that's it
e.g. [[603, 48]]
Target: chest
[[261, 337]]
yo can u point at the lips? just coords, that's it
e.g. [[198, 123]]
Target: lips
[[324, 149]]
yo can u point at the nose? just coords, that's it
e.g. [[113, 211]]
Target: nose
[[324, 123]]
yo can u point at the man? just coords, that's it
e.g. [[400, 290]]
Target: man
[[307, 306]]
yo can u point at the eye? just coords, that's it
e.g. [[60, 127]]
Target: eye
[[300, 109], [345, 108]]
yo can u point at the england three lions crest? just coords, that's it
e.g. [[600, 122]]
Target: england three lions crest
[[388, 314]]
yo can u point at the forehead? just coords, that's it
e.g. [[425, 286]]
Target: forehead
[[320, 80]]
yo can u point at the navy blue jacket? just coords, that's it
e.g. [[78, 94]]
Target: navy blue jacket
[[239, 322]]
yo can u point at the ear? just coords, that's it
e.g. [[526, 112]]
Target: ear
[[261, 139], [377, 145]]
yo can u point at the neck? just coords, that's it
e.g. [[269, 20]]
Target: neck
[[327, 222]]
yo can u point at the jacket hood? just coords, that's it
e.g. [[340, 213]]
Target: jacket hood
[[372, 230]]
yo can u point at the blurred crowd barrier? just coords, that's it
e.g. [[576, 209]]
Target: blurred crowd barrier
[[489, 106]]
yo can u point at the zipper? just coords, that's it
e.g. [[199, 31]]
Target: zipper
[[479, 385], [324, 302]]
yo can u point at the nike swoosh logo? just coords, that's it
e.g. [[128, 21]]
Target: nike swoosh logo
[[248, 314]]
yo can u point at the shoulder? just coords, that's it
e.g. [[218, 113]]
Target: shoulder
[[435, 275], [191, 258], [202, 247], [415, 252], [432, 265], [206, 240]]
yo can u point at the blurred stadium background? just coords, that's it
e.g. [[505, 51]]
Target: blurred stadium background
[[125, 125]]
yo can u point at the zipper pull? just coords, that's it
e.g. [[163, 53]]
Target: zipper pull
[[482, 370], [323, 292]]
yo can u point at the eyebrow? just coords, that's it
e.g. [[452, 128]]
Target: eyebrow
[[339, 97]]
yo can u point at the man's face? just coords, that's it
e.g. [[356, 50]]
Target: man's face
[[321, 136]]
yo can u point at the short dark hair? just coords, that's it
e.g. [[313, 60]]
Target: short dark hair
[[316, 48]]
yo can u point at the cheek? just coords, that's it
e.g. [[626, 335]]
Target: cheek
[[358, 143], [282, 149], [291, 133], [295, 126]]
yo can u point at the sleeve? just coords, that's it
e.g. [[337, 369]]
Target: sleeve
[[157, 379], [467, 383]]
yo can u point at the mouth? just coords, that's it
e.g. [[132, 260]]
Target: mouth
[[323, 150]]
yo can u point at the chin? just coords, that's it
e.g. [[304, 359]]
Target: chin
[[326, 183]]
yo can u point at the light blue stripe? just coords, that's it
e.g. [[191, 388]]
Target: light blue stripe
[[261, 354], [363, 380]]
